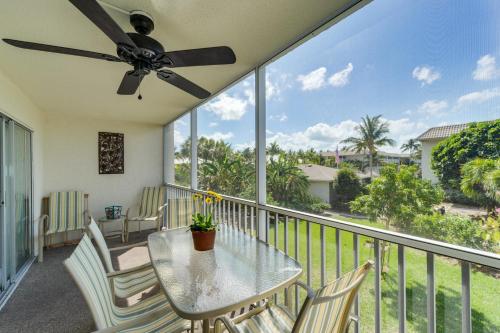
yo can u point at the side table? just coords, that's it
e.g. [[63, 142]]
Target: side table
[[115, 233]]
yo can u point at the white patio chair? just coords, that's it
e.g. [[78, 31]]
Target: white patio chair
[[324, 311], [151, 315], [180, 211], [150, 209], [64, 211], [127, 282]]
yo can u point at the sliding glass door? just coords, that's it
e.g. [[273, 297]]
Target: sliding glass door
[[16, 229]]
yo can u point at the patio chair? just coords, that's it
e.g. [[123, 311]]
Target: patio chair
[[63, 212], [127, 282], [324, 311], [153, 314], [150, 209], [181, 210]]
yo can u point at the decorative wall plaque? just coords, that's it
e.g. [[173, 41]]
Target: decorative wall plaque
[[111, 153]]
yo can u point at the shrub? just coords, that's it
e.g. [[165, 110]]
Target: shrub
[[477, 140], [345, 188]]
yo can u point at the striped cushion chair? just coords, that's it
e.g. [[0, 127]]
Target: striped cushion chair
[[64, 211], [181, 210], [154, 314], [324, 311], [127, 282], [150, 208]]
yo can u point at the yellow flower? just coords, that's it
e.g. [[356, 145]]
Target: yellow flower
[[208, 200], [197, 196]]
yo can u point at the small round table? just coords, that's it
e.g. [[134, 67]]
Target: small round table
[[115, 233]]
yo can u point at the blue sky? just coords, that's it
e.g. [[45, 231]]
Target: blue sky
[[419, 63]]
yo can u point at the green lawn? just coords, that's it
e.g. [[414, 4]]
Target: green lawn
[[485, 290]]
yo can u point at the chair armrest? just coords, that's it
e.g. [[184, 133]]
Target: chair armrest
[[41, 224], [309, 291], [126, 247], [162, 207], [127, 271], [224, 320], [352, 319]]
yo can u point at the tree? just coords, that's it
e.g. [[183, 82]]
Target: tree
[[477, 140], [481, 181], [346, 187], [371, 135], [397, 196], [274, 149], [286, 181], [411, 146]]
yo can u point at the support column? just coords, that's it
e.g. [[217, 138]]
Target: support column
[[168, 154], [260, 147], [194, 149]]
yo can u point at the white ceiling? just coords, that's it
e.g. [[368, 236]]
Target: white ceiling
[[254, 29]]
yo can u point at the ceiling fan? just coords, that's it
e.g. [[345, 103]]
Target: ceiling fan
[[142, 52]]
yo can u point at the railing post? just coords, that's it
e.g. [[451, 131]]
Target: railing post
[[378, 289], [260, 148], [402, 289], [194, 149], [466, 305], [431, 294]]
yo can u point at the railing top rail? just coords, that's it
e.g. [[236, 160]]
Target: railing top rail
[[428, 245]]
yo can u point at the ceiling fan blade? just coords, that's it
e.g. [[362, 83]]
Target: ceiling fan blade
[[183, 84], [130, 82], [220, 55], [60, 49], [103, 21]]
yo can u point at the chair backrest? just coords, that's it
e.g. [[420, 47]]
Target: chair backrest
[[88, 272], [330, 308], [181, 210], [152, 199], [66, 211], [101, 245]]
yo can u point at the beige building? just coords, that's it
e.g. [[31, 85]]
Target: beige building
[[429, 139]]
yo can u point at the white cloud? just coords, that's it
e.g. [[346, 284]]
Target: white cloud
[[227, 107], [313, 80], [320, 136], [245, 145], [486, 69], [279, 117], [425, 74], [432, 107], [479, 96], [213, 124], [219, 136], [341, 78]]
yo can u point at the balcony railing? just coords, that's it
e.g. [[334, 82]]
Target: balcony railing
[[243, 214]]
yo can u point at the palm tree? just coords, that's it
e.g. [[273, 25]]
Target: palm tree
[[481, 181], [371, 135], [412, 146], [274, 149], [285, 180]]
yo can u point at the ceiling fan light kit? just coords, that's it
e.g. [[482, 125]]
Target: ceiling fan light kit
[[142, 52]]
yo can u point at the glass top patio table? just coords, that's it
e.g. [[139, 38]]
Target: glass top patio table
[[239, 271]]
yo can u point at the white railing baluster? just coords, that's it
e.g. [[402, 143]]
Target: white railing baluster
[[286, 235], [401, 289], [308, 246], [297, 257], [431, 294], [267, 227], [245, 219], [323, 254], [276, 230], [338, 253], [378, 291], [239, 216], [355, 248], [252, 221], [466, 304]]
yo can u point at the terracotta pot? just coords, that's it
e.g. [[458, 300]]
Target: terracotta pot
[[203, 241]]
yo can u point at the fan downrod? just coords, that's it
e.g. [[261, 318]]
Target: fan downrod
[[142, 22]]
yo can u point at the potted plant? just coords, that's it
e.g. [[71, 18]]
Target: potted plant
[[203, 228]]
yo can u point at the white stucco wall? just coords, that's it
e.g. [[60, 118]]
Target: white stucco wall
[[18, 106], [71, 161], [320, 190], [427, 172]]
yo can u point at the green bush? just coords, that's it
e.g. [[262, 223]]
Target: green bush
[[477, 140], [450, 228], [345, 188]]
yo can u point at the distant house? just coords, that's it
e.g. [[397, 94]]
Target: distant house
[[429, 139], [382, 156], [321, 179]]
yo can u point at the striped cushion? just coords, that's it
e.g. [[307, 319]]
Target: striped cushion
[[152, 199], [87, 270], [181, 210], [131, 284], [271, 320], [66, 211], [332, 316]]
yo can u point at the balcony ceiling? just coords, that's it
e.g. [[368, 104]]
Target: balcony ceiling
[[255, 30]]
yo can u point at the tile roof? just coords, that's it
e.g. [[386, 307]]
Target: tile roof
[[441, 132], [320, 173]]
